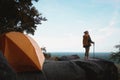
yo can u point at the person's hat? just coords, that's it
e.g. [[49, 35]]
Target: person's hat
[[86, 32]]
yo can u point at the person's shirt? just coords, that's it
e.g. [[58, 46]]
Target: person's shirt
[[87, 40]]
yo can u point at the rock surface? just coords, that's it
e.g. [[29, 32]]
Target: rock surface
[[6, 72], [78, 69]]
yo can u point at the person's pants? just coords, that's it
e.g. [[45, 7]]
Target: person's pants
[[87, 51]]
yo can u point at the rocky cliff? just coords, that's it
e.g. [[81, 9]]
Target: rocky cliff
[[78, 69]]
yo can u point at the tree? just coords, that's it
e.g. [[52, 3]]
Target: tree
[[116, 55], [44, 49], [118, 46], [19, 15]]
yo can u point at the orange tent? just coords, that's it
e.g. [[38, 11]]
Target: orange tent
[[21, 52]]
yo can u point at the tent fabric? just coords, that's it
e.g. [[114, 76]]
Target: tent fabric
[[21, 52], [37, 50]]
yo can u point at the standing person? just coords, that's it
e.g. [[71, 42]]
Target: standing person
[[87, 43]]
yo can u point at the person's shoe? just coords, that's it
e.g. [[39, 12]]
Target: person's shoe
[[85, 58]]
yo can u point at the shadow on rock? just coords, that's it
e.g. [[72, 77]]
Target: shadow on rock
[[6, 72], [63, 70], [98, 69]]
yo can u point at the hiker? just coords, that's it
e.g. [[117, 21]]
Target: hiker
[[87, 43]]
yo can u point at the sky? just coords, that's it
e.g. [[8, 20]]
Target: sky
[[68, 19]]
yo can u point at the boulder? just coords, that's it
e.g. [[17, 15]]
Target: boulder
[[78, 69], [66, 69], [69, 57], [6, 72], [63, 70], [98, 69], [34, 75], [110, 71], [93, 71]]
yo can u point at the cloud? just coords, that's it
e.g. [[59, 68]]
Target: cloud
[[64, 29], [67, 42], [114, 18], [107, 1]]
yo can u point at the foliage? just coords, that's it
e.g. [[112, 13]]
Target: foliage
[[117, 46], [19, 15], [44, 49], [116, 55]]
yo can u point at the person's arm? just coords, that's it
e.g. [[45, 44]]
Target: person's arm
[[90, 40]]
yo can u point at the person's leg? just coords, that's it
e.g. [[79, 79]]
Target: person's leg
[[86, 52]]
